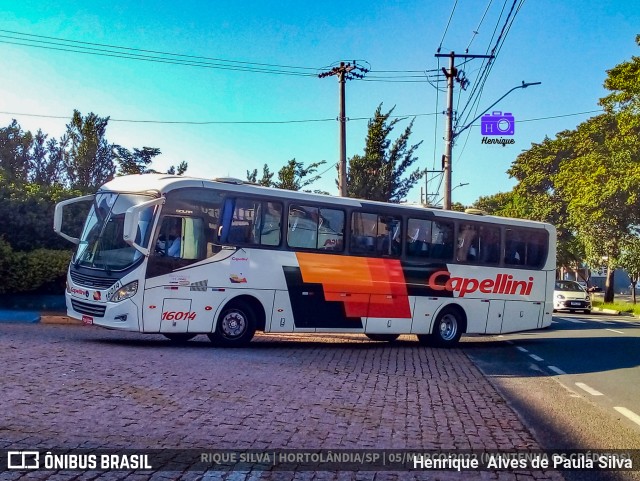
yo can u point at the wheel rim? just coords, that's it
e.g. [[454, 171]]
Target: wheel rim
[[234, 324], [448, 327]]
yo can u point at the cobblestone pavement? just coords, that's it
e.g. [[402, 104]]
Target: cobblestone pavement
[[68, 386]]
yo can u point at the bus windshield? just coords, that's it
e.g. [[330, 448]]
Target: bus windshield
[[102, 245]]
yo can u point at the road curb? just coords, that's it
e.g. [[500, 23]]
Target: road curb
[[58, 319], [35, 317], [607, 311]]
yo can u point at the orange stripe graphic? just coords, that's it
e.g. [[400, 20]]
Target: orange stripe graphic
[[367, 287]]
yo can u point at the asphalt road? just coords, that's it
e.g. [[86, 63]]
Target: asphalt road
[[576, 384]]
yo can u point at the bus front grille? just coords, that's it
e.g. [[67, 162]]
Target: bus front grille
[[95, 310], [92, 281]]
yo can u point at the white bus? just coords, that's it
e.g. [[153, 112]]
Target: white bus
[[183, 256]]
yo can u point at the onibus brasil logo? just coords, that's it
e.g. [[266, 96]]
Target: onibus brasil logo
[[497, 124]]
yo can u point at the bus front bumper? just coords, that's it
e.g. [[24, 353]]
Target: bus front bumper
[[121, 315]]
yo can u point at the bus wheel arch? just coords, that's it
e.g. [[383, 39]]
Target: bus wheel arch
[[238, 321], [450, 324]]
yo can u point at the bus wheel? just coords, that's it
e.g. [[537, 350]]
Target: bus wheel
[[448, 327], [179, 336], [236, 326], [383, 337]]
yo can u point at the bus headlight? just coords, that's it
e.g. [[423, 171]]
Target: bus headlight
[[559, 296], [125, 292]]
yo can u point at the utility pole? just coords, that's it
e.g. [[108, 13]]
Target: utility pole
[[346, 71], [451, 74]]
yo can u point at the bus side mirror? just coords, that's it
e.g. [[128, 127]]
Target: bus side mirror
[[132, 220], [57, 216]]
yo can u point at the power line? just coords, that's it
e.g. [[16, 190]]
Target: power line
[[147, 58], [213, 122], [78, 43], [131, 53], [448, 23], [477, 30]]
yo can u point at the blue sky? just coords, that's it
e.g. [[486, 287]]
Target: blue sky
[[568, 46]]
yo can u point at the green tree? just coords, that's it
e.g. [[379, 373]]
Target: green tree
[[15, 157], [630, 261], [46, 160], [267, 176], [623, 81], [179, 170], [603, 201], [382, 172], [27, 210], [135, 162], [292, 176], [90, 159]]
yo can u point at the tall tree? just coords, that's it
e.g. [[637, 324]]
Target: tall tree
[[91, 159], [623, 81], [379, 174], [15, 157], [630, 261], [292, 176], [135, 162], [601, 185], [267, 176]]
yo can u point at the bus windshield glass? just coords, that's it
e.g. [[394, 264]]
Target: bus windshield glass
[[102, 245]]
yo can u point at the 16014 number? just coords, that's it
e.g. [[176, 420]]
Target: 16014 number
[[178, 316]]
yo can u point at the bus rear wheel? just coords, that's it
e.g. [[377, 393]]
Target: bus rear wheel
[[179, 337], [383, 337], [448, 327], [236, 326]]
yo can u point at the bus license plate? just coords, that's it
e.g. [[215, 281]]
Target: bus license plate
[[575, 304], [87, 320]]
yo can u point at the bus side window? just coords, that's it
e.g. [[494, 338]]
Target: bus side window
[[389, 229], [467, 247], [270, 227], [419, 230], [489, 245], [331, 230], [441, 240], [363, 232], [303, 227], [514, 248]]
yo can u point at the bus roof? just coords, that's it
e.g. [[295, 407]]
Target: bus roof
[[160, 184]]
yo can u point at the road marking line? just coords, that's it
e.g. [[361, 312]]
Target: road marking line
[[556, 370], [575, 321], [613, 330], [629, 414], [521, 349], [589, 389], [536, 358]]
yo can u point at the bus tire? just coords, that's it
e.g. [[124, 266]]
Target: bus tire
[[383, 337], [236, 326], [179, 337], [448, 327]]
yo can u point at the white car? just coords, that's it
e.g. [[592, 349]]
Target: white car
[[571, 296]]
